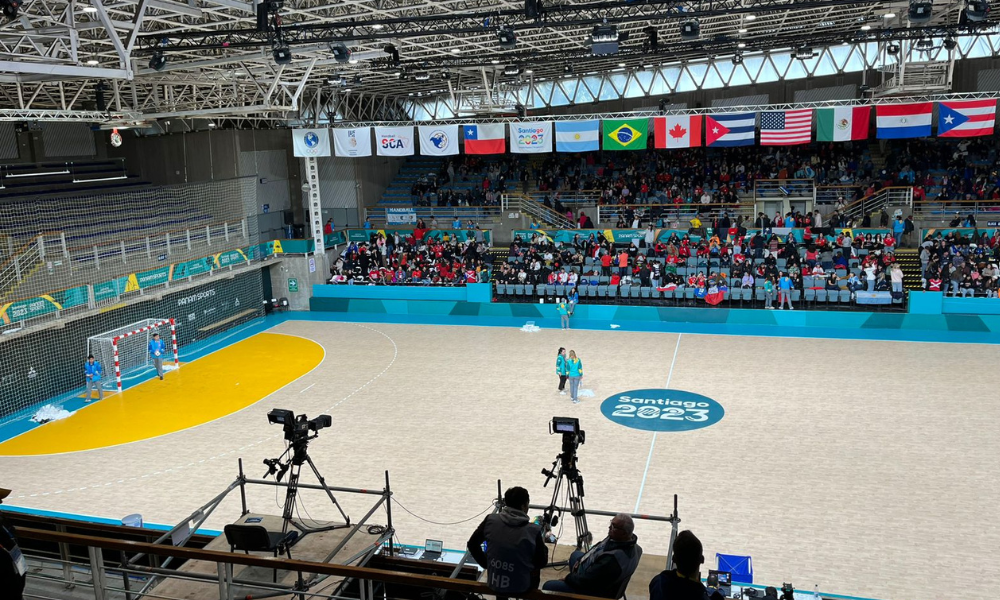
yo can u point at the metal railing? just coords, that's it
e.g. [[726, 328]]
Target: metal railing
[[675, 213], [781, 189], [536, 210], [444, 214], [829, 194], [879, 200], [945, 210]]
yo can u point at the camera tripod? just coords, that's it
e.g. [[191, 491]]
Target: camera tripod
[[568, 474], [300, 456]]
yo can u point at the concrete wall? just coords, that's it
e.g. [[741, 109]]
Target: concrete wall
[[297, 268]]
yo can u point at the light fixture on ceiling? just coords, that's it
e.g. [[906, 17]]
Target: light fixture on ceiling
[[950, 43], [749, 17], [803, 53], [506, 37], [892, 49], [567, 69], [92, 61], [158, 61], [512, 70], [456, 50], [621, 64], [653, 38], [529, 71], [741, 30], [741, 45], [738, 58], [282, 55], [421, 76], [341, 53], [376, 26], [690, 30], [393, 54], [89, 9], [977, 10], [495, 62], [866, 27], [920, 11], [604, 40], [889, 15]]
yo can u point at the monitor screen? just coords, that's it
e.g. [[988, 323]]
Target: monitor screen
[[433, 546], [723, 577]]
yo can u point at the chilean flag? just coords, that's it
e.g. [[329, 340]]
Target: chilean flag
[[732, 129], [682, 131], [971, 118], [897, 121], [485, 139]]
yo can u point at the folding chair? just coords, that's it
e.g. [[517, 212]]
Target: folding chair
[[256, 538]]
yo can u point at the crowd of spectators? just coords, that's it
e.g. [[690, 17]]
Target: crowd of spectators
[[960, 265], [467, 181], [415, 258], [823, 259], [970, 168]]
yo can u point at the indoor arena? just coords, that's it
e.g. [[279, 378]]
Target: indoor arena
[[393, 300]]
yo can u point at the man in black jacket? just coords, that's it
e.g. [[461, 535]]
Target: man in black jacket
[[515, 550], [605, 570], [12, 564], [684, 581]]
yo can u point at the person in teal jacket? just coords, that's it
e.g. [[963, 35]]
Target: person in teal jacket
[[561, 370], [574, 369], [563, 313], [92, 369]]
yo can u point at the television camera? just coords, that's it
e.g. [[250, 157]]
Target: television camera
[[564, 467]]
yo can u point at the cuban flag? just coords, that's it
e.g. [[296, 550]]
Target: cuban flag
[[898, 121], [732, 129], [970, 118], [485, 139]]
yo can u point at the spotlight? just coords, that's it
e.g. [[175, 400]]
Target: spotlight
[[738, 58], [446, 75], [567, 69], [512, 70], [393, 54], [341, 53], [690, 30], [663, 105], [977, 10], [422, 76], [920, 11], [521, 111], [506, 37], [924, 45], [158, 61], [950, 44], [282, 55], [892, 49], [803, 53], [604, 40]]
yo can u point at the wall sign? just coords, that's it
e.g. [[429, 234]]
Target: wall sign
[[293, 284], [662, 410]]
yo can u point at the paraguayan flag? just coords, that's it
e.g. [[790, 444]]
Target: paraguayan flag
[[578, 136]]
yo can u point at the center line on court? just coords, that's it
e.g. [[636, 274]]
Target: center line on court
[[652, 444]]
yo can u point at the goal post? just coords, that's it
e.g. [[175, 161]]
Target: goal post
[[127, 348]]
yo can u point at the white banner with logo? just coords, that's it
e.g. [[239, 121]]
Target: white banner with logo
[[438, 140], [400, 216], [394, 141], [353, 142], [531, 138], [311, 142]]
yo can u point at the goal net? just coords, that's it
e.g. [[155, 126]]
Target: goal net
[[124, 351]]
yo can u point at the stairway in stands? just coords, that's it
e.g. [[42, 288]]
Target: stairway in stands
[[909, 260]]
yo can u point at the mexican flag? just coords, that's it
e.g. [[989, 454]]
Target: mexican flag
[[625, 134], [842, 124]]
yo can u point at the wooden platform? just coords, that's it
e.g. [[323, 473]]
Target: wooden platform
[[314, 547]]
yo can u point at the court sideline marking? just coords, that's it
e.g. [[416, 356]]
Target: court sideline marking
[[652, 444], [395, 354]]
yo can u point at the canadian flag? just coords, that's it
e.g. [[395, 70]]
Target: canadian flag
[[677, 132]]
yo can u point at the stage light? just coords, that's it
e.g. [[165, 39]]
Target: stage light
[[803, 53], [604, 40], [512, 70], [422, 76], [950, 44], [282, 55], [920, 11], [567, 69], [738, 58], [664, 102], [507, 38], [977, 10], [892, 49], [653, 37], [341, 53], [521, 111], [393, 54], [690, 30], [158, 61]]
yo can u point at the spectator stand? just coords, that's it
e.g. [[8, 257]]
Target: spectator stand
[[663, 214], [960, 262]]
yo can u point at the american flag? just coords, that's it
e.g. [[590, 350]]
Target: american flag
[[786, 127]]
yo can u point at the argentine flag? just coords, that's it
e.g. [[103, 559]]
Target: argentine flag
[[578, 136]]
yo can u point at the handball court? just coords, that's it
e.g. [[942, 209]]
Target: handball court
[[866, 467]]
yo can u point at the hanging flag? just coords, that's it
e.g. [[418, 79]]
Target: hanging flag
[[485, 139], [578, 136], [394, 141], [311, 142], [971, 118], [683, 131], [896, 121], [531, 138], [625, 134], [438, 140], [842, 123], [352, 142], [786, 127], [730, 129]]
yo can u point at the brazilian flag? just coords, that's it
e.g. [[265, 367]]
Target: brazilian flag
[[625, 134]]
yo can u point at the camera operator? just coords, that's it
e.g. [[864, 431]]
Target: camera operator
[[13, 569], [605, 570], [684, 582], [515, 551]]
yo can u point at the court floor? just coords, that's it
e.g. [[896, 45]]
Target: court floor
[[865, 467]]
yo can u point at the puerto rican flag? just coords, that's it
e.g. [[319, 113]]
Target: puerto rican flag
[[485, 139], [970, 118], [898, 121], [732, 129]]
